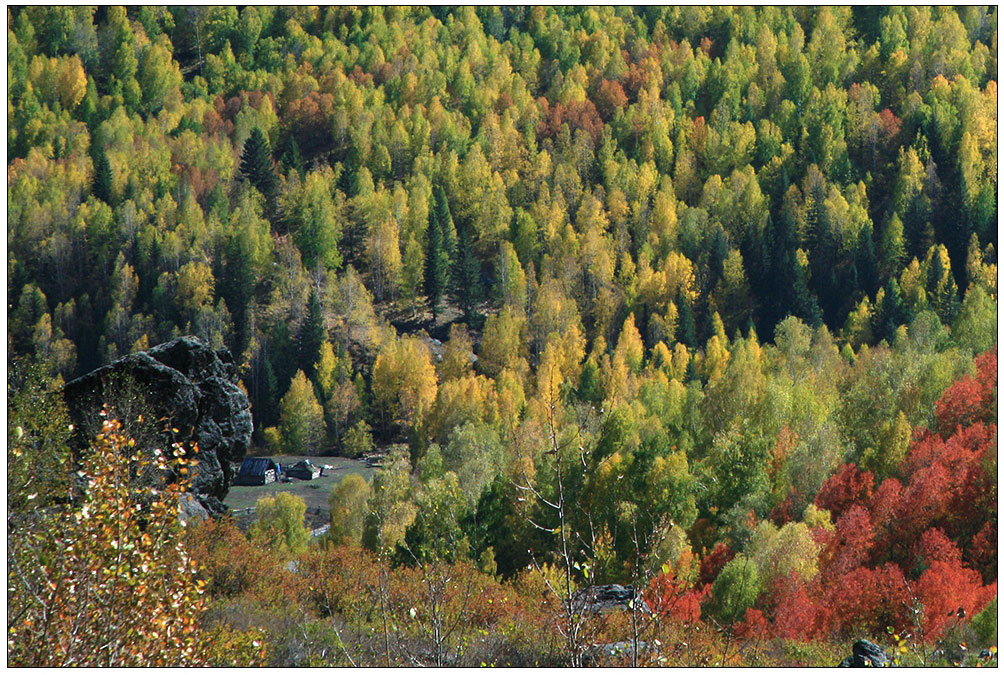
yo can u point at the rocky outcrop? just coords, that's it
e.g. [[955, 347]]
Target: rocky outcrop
[[865, 654], [606, 598], [191, 511], [180, 391]]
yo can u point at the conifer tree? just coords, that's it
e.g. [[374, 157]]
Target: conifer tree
[[282, 351], [891, 314], [256, 166], [466, 276], [686, 330], [804, 302], [865, 261], [310, 336], [102, 188], [782, 288], [446, 225], [266, 397], [439, 256], [892, 249], [292, 159], [823, 262], [942, 291], [435, 268]]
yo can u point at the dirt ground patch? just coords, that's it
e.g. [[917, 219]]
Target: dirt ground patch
[[313, 492]]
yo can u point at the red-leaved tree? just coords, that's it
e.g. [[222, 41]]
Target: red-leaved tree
[[849, 485], [970, 399]]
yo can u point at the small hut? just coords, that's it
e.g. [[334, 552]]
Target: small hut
[[304, 470], [258, 471]]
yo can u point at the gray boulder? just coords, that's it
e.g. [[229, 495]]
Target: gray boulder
[[180, 391], [606, 598], [191, 511], [865, 654]]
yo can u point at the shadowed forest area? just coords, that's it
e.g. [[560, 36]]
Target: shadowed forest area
[[670, 332]]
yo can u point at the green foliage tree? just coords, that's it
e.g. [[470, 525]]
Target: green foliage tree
[[474, 453], [884, 458], [280, 525], [735, 590], [974, 326], [159, 76], [436, 533], [391, 509], [412, 270], [736, 466], [348, 504], [358, 440], [311, 214], [779, 552], [38, 435]]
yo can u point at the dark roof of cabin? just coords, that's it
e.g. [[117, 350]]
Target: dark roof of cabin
[[256, 466]]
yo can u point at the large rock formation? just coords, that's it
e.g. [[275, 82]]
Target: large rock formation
[[179, 391]]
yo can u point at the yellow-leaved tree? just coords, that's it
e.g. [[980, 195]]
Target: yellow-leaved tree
[[404, 381], [301, 418]]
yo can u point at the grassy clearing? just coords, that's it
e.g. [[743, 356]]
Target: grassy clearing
[[314, 492]]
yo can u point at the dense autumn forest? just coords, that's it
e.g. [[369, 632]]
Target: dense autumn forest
[[697, 301]]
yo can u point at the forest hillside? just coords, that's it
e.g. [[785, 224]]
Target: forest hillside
[[694, 308]]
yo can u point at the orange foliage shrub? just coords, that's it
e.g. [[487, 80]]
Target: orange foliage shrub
[[609, 98], [674, 598], [343, 580], [577, 114], [306, 119], [108, 582], [754, 626], [232, 565], [982, 551], [713, 562], [933, 546]]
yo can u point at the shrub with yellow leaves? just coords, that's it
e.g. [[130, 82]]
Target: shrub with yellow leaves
[[107, 581]]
